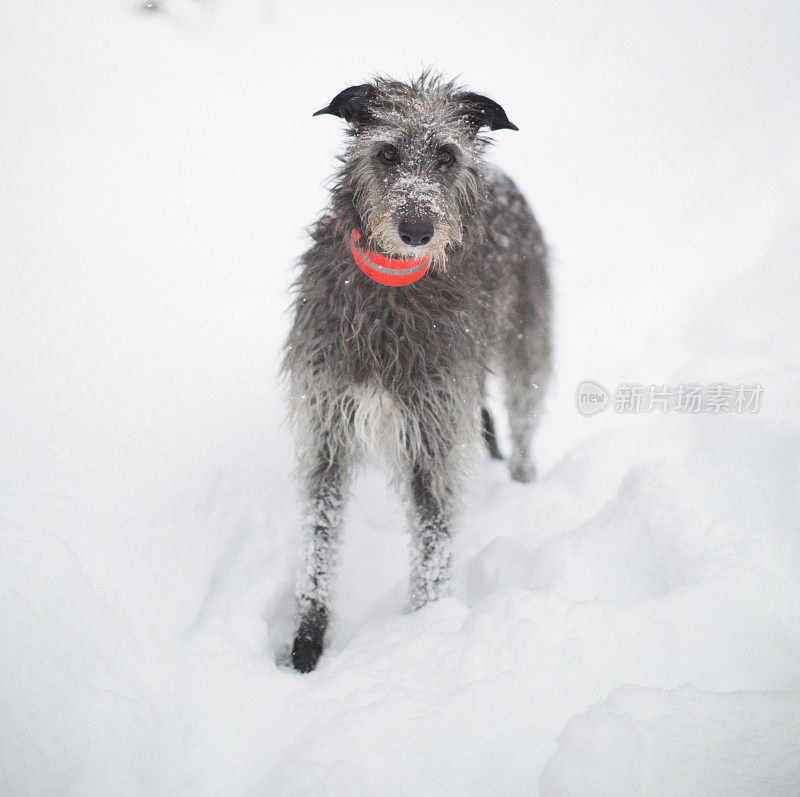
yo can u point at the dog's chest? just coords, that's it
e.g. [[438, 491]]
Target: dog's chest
[[376, 421], [401, 342]]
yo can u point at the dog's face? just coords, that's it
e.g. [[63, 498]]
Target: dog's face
[[413, 165]]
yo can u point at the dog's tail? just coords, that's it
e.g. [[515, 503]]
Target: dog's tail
[[489, 434]]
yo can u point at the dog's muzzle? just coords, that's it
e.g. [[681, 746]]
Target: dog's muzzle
[[387, 270]]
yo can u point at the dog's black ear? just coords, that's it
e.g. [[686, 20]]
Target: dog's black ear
[[352, 104], [483, 112]]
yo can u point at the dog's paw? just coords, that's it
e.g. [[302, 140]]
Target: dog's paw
[[305, 653], [522, 470], [307, 646]]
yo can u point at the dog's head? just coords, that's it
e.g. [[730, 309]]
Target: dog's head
[[413, 164]]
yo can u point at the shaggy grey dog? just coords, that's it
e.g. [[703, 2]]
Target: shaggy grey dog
[[400, 371]]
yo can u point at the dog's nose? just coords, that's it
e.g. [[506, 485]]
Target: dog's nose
[[414, 232]]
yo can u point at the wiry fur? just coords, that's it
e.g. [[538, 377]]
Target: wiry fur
[[401, 371]]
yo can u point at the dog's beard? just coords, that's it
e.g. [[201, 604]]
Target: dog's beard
[[382, 236]]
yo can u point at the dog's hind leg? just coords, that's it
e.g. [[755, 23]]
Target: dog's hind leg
[[524, 389], [489, 433], [327, 486], [525, 361]]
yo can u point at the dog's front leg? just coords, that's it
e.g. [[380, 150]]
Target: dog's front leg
[[431, 553], [326, 486]]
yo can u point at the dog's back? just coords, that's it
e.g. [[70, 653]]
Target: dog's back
[[516, 257]]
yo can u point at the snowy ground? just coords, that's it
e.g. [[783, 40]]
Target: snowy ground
[[628, 625]]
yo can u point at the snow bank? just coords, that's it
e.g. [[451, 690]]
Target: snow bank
[[630, 624], [682, 741]]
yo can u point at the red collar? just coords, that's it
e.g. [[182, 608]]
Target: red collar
[[387, 270]]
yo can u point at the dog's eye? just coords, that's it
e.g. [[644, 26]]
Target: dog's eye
[[445, 159], [389, 154]]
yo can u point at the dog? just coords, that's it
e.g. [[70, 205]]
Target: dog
[[427, 270]]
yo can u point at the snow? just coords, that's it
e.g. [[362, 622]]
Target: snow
[[679, 741], [630, 624]]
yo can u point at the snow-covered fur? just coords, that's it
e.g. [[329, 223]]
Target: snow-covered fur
[[400, 371]]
